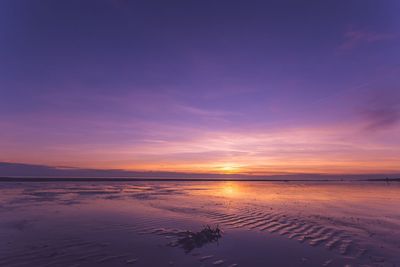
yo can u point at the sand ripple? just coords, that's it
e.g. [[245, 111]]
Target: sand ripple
[[292, 227]]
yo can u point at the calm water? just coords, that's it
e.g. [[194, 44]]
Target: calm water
[[139, 223]]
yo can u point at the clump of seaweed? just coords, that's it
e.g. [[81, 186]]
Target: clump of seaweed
[[190, 240]]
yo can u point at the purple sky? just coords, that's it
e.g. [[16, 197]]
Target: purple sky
[[203, 86]]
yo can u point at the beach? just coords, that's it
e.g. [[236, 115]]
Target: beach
[[142, 223]]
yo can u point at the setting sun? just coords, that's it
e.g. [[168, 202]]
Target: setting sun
[[229, 168]]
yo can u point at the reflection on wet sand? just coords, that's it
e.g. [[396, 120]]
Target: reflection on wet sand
[[350, 217], [90, 224]]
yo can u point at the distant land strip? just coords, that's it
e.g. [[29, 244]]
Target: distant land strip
[[21, 172], [95, 179]]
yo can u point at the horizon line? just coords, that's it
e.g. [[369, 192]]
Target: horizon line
[[131, 179], [8, 167]]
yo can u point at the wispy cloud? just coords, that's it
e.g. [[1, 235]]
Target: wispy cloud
[[382, 113], [204, 112], [354, 38]]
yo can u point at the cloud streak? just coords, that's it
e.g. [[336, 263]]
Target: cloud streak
[[382, 111], [354, 38]]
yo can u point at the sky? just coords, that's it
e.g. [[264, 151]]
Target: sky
[[254, 87]]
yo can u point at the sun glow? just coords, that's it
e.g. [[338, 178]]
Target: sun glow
[[229, 168]]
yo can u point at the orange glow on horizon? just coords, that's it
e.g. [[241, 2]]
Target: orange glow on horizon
[[333, 150]]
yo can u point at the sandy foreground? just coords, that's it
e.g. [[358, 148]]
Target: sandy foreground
[[143, 223]]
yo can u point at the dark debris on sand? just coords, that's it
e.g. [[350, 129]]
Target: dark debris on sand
[[189, 240]]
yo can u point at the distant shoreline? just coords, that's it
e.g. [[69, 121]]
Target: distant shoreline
[[94, 179]]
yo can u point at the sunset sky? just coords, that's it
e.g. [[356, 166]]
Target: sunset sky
[[258, 87]]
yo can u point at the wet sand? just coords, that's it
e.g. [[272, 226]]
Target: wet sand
[[140, 223]]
